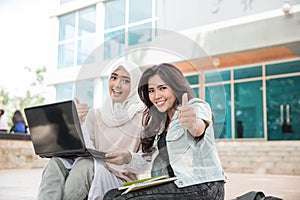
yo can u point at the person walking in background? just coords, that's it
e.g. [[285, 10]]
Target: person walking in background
[[19, 124], [178, 129], [3, 121], [115, 128]]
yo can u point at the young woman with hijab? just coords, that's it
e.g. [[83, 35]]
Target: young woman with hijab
[[179, 131], [114, 128]]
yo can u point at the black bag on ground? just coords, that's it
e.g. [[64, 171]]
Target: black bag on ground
[[256, 195]]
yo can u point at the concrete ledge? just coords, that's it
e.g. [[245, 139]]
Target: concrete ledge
[[260, 157], [15, 136], [19, 154]]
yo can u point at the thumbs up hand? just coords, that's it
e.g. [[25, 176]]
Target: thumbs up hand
[[82, 110], [187, 116]]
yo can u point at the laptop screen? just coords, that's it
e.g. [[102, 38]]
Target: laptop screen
[[54, 128]]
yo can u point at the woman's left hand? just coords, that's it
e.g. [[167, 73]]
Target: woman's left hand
[[118, 157], [82, 110], [188, 118]]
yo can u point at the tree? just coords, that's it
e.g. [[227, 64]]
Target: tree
[[11, 102]]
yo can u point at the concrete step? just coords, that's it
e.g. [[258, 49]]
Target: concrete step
[[271, 157]]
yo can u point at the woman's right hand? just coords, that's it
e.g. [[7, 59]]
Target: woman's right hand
[[82, 110], [118, 157]]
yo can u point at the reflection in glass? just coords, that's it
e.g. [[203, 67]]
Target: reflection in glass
[[84, 90], [139, 10], [140, 34], [114, 13], [64, 91], [87, 21], [249, 109], [283, 108], [66, 55], [65, 1], [114, 44], [283, 68], [219, 99], [248, 72], [217, 76], [84, 48], [66, 26], [196, 92], [193, 80]]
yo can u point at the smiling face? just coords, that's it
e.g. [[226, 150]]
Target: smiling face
[[161, 95], [119, 85]]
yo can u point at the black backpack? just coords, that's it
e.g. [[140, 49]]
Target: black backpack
[[256, 195]]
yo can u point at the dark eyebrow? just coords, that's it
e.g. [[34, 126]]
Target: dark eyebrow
[[126, 77], [159, 86], [163, 85], [115, 74]]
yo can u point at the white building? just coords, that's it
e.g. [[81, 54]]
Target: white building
[[242, 56]]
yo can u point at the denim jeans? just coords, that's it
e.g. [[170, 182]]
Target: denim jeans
[[204, 191]]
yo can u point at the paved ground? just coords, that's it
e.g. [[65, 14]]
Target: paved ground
[[22, 185]]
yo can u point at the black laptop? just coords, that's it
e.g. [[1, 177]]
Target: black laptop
[[55, 131]]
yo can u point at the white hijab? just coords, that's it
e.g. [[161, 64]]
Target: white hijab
[[117, 114]]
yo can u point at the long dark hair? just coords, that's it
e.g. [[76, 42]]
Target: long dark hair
[[154, 120], [18, 117]]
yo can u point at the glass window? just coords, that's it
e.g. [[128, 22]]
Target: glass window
[[196, 92], [84, 90], [65, 1], [64, 91], [140, 34], [87, 21], [114, 13], [247, 72], [114, 44], [66, 55], [139, 10], [283, 106], [248, 110], [193, 80], [283, 68], [219, 98], [67, 26], [105, 91], [85, 47], [219, 76]]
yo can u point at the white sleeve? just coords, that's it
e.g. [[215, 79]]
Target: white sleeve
[[87, 139], [139, 163]]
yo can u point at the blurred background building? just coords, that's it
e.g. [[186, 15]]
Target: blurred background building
[[251, 79]]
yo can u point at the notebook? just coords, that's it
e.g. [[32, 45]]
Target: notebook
[[55, 131], [144, 183]]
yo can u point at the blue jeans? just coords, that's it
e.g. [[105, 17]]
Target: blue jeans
[[204, 191]]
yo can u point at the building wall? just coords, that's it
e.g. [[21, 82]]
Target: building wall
[[19, 154], [185, 31], [258, 157], [181, 15]]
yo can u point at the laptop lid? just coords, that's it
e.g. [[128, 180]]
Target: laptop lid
[[55, 129]]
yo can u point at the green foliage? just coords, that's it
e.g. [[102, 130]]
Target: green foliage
[[11, 102]]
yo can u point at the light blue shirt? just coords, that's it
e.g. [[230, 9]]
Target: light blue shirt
[[193, 162]]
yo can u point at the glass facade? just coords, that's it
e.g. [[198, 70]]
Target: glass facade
[[218, 97], [124, 23], [283, 108], [248, 110], [237, 97], [83, 89], [127, 25], [76, 37], [253, 102]]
